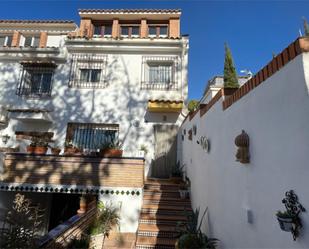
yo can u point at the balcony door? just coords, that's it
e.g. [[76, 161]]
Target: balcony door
[[165, 150]]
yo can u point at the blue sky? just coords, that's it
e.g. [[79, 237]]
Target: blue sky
[[254, 30]]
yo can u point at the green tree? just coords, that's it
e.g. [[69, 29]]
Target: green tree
[[192, 105], [230, 76], [306, 27]]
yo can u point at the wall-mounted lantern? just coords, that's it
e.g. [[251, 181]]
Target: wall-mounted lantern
[[242, 142], [190, 134], [289, 220]]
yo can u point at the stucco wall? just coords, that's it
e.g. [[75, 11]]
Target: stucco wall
[[276, 116], [121, 102]]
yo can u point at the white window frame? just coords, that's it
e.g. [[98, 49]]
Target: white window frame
[[33, 37], [6, 38]]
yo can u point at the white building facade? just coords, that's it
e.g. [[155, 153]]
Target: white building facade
[[121, 76]]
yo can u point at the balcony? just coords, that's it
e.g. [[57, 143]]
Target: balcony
[[75, 173]]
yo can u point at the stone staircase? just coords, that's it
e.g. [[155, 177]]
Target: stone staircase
[[162, 209]]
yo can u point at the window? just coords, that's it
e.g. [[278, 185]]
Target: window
[[36, 81], [103, 30], [130, 31], [157, 30], [92, 136], [88, 71], [32, 41], [6, 40], [90, 75], [160, 73]]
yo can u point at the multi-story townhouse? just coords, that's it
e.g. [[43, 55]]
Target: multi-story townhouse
[[121, 76]]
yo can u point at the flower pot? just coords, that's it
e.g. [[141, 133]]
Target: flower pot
[[71, 150], [111, 153], [40, 150], [286, 223], [30, 149], [82, 205], [55, 151]]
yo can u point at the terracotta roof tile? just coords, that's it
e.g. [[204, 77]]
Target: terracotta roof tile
[[162, 11], [36, 21]]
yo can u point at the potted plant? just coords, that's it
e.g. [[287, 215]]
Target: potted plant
[[190, 234], [184, 189], [31, 146], [112, 149], [177, 173], [285, 220], [41, 147], [142, 151], [69, 148], [55, 150]]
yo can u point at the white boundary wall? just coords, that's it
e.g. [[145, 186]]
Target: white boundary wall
[[276, 117]]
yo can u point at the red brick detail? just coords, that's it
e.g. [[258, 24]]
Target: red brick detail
[[115, 28], [297, 47], [144, 28], [15, 39], [43, 39], [86, 28], [174, 28]]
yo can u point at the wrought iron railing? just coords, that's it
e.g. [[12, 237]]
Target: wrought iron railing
[[160, 72], [80, 62], [35, 81]]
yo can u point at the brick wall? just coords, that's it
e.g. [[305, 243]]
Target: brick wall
[[174, 28], [73, 170]]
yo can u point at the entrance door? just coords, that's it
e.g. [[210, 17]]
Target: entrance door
[[165, 150]]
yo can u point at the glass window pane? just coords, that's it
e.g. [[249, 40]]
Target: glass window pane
[[152, 30], [108, 30], [135, 30], [124, 30], [9, 40], [84, 75], [2, 40], [28, 40], [46, 82], [163, 30], [97, 30], [95, 75], [36, 41]]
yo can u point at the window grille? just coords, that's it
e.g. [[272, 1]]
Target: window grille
[[91, 136], [160, 73], [6, 40], [88, 71], [36, 81]]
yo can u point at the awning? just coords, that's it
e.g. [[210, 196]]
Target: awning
[[165, 106]]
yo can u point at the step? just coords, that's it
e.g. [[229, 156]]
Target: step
[[167, 207], [163, 217], [180, 202], [156, 228], [157, 243], [162, 187], [161, 194], [172, 199]]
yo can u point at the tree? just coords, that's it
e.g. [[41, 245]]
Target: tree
[[192, 105], [22, 224], [230, 76], [306, 27]]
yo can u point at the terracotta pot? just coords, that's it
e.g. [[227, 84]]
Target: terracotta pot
[[82, 206], [40, 150], [71, 150], [30, 149], [55, 151], [111, 153]]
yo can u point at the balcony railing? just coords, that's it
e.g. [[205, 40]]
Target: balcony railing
[[51, 170]]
